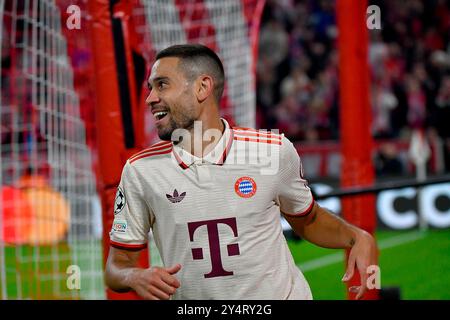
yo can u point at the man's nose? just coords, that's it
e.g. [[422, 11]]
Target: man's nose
[[152, 98]]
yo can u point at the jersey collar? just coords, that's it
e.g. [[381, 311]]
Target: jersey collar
[[216, 156]]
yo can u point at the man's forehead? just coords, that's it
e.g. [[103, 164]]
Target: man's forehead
[[164, 67]]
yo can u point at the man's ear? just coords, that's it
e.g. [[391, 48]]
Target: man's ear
[[204, 87]]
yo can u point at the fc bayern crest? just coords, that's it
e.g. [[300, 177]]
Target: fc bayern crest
[[245, 187], [119, 203]]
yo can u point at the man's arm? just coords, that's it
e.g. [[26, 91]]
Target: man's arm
[[326, 230], [122, 275]]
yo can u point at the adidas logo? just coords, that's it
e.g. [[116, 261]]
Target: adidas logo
[[175, 197]]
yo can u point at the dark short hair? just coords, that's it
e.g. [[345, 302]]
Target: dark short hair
[[196, 59]]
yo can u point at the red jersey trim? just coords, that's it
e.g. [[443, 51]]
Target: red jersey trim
[[227, 149], [254, 133], [179, 160], [151, 154], [302, 213], [152, 150], [258, 140], [157, 146], [127, 246]]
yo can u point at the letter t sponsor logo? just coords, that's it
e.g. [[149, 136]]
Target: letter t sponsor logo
[[217, 269]]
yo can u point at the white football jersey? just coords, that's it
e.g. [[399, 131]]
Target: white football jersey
[[219, 217]]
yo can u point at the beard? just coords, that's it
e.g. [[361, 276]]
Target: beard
[[185, 121]]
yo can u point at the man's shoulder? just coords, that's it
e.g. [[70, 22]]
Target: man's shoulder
[[258, 135], [158, 150]]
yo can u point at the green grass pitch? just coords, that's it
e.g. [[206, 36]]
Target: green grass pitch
[[417, 263]]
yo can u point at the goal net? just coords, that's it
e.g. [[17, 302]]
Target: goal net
[[50, 213], [49, 248]]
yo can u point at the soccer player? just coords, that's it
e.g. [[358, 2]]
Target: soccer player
[[213, 195]]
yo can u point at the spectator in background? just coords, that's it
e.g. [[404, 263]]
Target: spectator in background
[[416, 103], [295, 93], [383, 102], [273, 35], [50, 215], [285, 113], [443, 97], [298, 83], [443, 117], [387, 162], [409, 64]]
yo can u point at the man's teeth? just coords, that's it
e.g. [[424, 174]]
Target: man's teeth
[[159, 115]]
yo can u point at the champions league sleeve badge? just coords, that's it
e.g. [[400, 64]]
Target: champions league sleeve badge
[[120, 201]]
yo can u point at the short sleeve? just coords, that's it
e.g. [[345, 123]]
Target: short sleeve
[[132, 215], [294, 195]]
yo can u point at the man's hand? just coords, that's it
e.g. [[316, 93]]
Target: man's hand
[[155, 283], [363, 253], [329, 231]]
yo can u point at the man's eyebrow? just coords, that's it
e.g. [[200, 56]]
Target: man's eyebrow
[[150, 81]]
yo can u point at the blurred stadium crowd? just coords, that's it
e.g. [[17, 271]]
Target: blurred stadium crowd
[[409, 69], [297, 80]]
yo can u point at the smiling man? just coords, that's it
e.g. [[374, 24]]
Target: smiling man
[[215, 215]]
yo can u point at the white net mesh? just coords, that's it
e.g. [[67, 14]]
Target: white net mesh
[[49, 209], [224, 26], [48, 202]]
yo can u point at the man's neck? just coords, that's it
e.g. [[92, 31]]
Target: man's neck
[[204, 137]]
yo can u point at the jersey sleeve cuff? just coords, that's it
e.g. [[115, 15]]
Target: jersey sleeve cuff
[[127, 246], [303, 213]]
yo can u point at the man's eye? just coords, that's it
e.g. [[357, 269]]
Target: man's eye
[[161, 85]]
